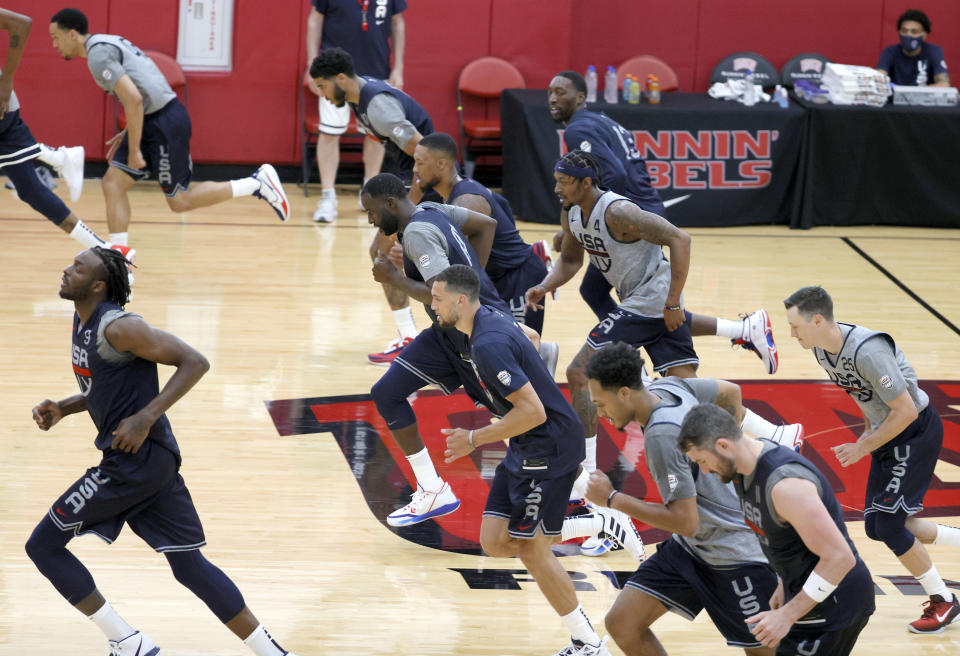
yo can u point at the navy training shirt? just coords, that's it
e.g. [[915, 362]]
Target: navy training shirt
[[414, 113], [343, 28], [913, 71]]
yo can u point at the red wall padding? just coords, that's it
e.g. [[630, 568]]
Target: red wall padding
[[250, 115]]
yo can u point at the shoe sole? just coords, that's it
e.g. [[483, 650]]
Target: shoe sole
[[384, 363], [273, 180], [935, 631], [407, 520]]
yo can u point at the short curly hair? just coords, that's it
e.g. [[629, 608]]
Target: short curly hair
[[330, 63], [615, 366]]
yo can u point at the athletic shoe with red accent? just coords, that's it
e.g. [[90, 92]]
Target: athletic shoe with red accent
[[388, 355], [790, 436], [937, 615], [271, 190], [542, 250], [425, 505], [758, 337], [129, 254], [136, 644]]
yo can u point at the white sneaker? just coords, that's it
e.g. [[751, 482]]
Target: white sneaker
[[425, 505], [621, 528], [326, 210], [136, 644], [271, 190], [574, 649], [595, 546], [72, 170], [758, 337], [790, 436], [550, 354]]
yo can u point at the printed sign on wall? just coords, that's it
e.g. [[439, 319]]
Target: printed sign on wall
[[205, 38]]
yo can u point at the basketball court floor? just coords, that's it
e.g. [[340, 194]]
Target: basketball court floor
[[293, 471]]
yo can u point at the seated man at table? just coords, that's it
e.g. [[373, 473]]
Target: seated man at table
[[913, 61]]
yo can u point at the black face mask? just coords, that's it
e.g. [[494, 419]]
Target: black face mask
[[910, 43]]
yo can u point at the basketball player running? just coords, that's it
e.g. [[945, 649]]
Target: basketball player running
[[18, 149], [513, 266], [712, 560], [432, 237], [115, 356], [525, 509], [826, 593], [157, 136], [625, 243], [903, 437], [623, 171], [400, 122]]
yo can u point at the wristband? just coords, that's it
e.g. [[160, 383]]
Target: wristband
[[470, 440], [610, 496], [817, 587], [673, 308]]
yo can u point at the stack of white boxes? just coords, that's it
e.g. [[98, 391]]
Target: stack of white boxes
[[930, 96], [856, 85]]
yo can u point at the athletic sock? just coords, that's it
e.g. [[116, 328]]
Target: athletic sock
[[52, 156], [581, 526], [329, 194], [244, 186], [424, 471], [119, 238], [86, 236], [262, 644], [756, 426], [579, 490], [405, 322], [590, 460], [947, 535], [579, 627], [112, 625], [731, 329], [933, 584]]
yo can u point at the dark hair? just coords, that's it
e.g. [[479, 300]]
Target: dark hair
[[442, 143], [578, 82], [384, 185], [114, 274], [914, 15], [704, 424], [615, 366], [810, 301], [461, 279], [71, 19], [583, 160], [331, 62]]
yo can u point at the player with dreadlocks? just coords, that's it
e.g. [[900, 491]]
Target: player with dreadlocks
[[625, 243], [137, 482]]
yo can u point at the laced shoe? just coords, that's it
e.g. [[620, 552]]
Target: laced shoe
[[620, 527], [425, 505], [937, 614], [758, 337], [790, 436], [577, 648], [386, 357], [271, 190], [135, 644]]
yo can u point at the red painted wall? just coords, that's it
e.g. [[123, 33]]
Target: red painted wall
[[250, 115]]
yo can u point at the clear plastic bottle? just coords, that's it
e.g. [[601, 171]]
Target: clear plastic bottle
[[610, 85], [634, 91], [626, 87], [591, 80], [750, 92], [653, 89]]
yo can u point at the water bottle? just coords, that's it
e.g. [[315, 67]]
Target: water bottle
[[653, 89], [610, 86], [634, 91], [750, 92], [780, 97], [591, 80], [626, 87]]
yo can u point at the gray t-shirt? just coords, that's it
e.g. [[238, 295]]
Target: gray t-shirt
[[426, 246], [722, 538], [110, 57], [386, 115]]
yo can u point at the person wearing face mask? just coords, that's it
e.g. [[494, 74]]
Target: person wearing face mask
[[913, 61]]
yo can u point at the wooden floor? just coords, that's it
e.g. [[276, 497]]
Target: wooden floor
[[287, 311]]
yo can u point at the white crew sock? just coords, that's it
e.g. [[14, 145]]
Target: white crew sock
[[581, 526], [424, 470], [731, 329], [112, 625], [244, 186], [52, 156], [119, 238], [947, 535], [405, 322], [262, 644], [933, 584], [329, 194], [86, 236], [590, 460], [579, 627], [579, 490], [756, 426]]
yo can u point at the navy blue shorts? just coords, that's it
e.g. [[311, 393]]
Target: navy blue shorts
[[901, 470], [16, 141], [512, 288], [810, 642], [666, 349], [530, 504], [165, 145], [686, 584], [142, 489], [434, 357]]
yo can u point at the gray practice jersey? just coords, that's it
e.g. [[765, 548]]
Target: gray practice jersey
[[723, 538], [14, 103], [872, 369], [425, 244], [387, 116], [638, 270], [110, 57]]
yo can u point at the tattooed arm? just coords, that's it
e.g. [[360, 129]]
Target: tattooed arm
[[19, 28]]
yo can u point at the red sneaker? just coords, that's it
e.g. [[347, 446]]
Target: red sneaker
[[389, 354], [542, 250], [937, 614], [129, 254]]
